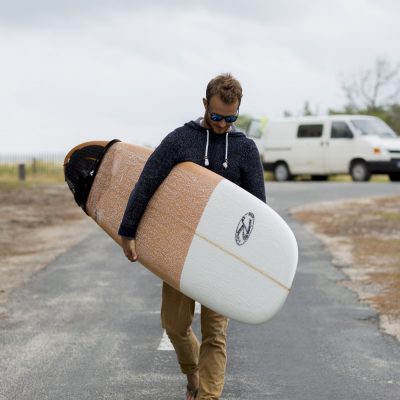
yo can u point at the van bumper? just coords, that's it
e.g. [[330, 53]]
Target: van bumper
[[384, 167]]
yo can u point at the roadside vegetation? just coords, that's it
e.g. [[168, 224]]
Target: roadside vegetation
[[373, 91], [363, 237], [39, 172]]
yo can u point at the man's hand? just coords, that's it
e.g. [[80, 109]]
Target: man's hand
[[129, 247]]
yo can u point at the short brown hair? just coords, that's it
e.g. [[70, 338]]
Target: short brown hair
[[227, 87]]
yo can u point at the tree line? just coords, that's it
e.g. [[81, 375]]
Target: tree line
[[373, 91]]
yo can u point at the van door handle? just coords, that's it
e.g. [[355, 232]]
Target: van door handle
[[322, 143]]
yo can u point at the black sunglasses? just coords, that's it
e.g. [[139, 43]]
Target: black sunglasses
[[228, 118]]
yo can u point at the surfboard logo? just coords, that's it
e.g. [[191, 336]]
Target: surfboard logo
[[244, 228]]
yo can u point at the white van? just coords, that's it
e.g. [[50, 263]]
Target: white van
[[327, 145]]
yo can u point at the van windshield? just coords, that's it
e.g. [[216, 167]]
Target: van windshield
[[373, 127]]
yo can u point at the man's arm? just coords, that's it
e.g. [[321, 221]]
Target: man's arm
[[156, 169]]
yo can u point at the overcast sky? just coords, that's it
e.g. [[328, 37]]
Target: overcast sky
[[73, 71]]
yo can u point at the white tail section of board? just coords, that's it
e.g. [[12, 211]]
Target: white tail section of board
[[253, 257]]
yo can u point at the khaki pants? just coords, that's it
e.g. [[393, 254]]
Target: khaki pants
[[209, 358]]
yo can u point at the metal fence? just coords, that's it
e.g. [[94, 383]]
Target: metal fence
[[24, 164]]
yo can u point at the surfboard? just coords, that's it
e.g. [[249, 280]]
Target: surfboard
[[200, 233]]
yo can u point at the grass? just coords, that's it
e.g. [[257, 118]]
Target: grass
[[40, 173], [347, 178], [10, 182], [390, 216], [32, 167]]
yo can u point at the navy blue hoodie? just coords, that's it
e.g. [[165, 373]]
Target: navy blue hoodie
[[231, 155]]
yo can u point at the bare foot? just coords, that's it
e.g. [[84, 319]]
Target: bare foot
[[192, 386]]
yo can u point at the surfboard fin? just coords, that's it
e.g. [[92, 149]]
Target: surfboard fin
[[81, 167]]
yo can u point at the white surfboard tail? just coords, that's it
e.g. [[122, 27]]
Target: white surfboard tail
[[251, 261]]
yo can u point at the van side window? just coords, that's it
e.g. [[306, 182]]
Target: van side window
[[340, 130], [309, 131]]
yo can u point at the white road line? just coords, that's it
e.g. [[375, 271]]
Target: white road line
[[165, 343]]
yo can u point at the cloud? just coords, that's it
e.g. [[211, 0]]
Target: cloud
[[136, 70], [42, 12]]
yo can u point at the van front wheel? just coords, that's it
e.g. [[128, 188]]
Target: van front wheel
[[359, 171], [282, 173]]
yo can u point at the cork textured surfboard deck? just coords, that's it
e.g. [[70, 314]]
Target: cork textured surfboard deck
[[200, 233]]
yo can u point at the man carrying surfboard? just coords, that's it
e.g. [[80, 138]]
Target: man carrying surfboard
[[214, 143]]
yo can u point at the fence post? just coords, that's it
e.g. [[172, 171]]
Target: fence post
[[34, 165], [21, 172]]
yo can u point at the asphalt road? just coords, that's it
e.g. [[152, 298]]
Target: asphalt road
[[87, 327]]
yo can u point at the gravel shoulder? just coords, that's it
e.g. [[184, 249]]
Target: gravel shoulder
[[37, 224], [363, 237]]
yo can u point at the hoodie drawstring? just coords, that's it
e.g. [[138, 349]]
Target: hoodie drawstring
[[225, 164], [206, 161]]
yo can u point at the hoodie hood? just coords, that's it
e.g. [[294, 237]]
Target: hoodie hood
[[232, 132], [195, 124]]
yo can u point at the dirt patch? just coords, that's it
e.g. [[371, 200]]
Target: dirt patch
[[36, 225], [364, 238]]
